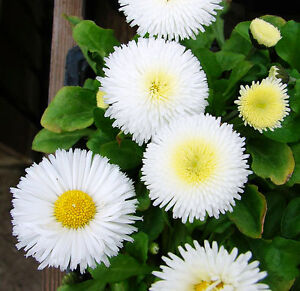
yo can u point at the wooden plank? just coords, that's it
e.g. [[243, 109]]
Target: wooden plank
[[62, 41]]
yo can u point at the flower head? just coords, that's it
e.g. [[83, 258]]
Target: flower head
[[195, 165], [264, 32], [264, 105], [209, 268], [150, 83], [171, 19], [73, 209]]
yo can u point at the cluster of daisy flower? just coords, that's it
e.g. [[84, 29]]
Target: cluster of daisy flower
[[76, 209]]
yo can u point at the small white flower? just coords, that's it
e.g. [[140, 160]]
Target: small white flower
[[264, 105], [209, 268], [170, 18], [196, 166], [150, 83], [73, 209]]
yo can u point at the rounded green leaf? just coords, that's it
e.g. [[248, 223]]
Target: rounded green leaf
[[239, 41], [127, 154], [48, 142], [249, 213], [289, 130], [71, 109], [290, 223], [276, 203], [271, 159], [153, 222], [295, 178], [288, 47], [139, 247], [121, 267], [95, 38], [275, 20], [295, 97], [280, 258]]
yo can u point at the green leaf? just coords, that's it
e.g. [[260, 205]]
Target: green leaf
[[139, 247], [290, 223], [153, 222], [128, 155], [121, 267], [120, 286], [274, 19], [202, 40], [48, 142], [96, 140], [288, 47], [96, 39], [94, 42], [89, 285], [295, 97], [105, 124], [238, 72], [73, 20], [228, 60], [91, 84], [295, 178], [239, 41], [175, 236], [142, 195], [271, 159], [289, 130], [71, 109], [209, 63], [276, 203], [280, 258], [249, 213], [218, 226]]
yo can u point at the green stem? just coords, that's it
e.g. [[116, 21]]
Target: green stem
[[230, 115]]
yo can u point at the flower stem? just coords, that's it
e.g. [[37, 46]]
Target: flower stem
[[230, 115]]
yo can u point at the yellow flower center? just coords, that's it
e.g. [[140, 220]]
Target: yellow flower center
[[100, 100], [159, 86], [209, 286], [264, 32], [74, 209], [194, 161], [262, 106]]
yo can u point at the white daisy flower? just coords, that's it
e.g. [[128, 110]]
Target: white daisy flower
[[73, 209], [196, 165], [172, 19], [209, 268], [151, 82]]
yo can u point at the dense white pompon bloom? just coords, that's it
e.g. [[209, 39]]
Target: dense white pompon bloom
[[73, 209], [265, 104], [171, 19], [196, 165], [151, 82], [209, 268]]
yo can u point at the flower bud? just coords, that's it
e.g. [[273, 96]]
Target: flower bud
[[263, 34]]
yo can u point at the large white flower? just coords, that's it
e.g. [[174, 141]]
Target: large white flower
[[209, 268], [196, 165], [73, 209], [151, 82], [170, 18]]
